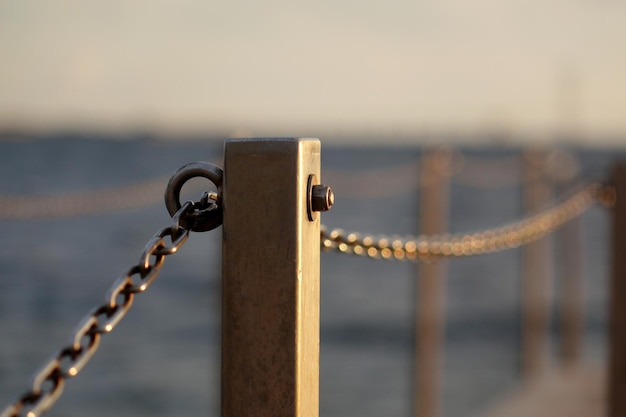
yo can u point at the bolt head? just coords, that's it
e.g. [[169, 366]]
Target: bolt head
[[322, 198]]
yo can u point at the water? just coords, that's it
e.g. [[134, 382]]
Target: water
[[163, 359]]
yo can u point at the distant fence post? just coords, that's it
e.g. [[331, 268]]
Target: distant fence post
[[431, 287], [617, 295], [270, 288], [536, 272], [563, 169], [571, 272]]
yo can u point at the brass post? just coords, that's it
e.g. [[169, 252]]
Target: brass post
[[270, 289], [536, 273], [571, 272], [431, 287]]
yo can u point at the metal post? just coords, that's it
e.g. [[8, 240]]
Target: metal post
[[571, 267], [431, 287], [617, 291], [536, 276], [270, 289]]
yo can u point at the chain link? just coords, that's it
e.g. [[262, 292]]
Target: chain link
[[69, 361], [127, 197], [430, 248], [48, 383]]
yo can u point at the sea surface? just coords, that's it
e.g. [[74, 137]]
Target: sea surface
[[163, 358]]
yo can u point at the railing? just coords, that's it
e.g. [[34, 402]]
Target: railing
[[271, 277], [530, 233]]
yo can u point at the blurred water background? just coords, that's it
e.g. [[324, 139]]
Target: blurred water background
[[163, 359]]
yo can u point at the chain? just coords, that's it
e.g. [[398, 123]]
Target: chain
[[430, 248], [206, 214], [48, 383], [127, 197], [77, 203]]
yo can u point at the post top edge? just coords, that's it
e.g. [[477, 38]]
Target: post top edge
[[270, 139], [272, 145]]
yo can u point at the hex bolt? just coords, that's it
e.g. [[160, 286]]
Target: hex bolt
[[322, 198]]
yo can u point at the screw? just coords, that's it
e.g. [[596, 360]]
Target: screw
[[322, 198]]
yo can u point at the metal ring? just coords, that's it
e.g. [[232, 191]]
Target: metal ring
[[203, 219]]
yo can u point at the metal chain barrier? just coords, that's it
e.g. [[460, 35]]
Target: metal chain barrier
[[203, 215], [206, 214], [430, 248], [76, 204], [82, 203]]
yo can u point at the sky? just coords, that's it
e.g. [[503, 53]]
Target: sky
[[340, 66]]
